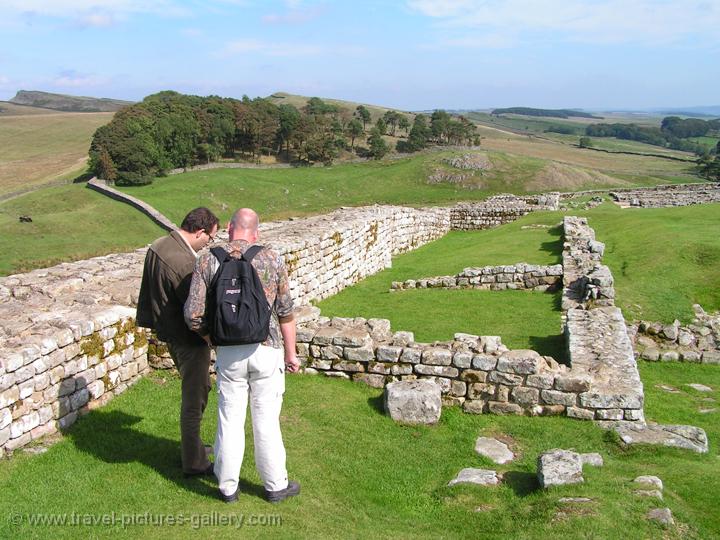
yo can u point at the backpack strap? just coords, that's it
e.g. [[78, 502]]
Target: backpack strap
[[250, 252], [220, 254]]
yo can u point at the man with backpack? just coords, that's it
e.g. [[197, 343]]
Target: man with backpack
[[169, 263], [240, 301]]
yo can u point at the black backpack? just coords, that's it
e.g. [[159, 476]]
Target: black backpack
[[239, 310]]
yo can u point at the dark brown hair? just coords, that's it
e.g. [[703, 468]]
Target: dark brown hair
[[199, 219]]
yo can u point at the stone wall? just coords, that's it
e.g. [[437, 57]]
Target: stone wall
[[597, 339], [698, 341], [102, 187], [668, 195], [499, 210], [495, 278]]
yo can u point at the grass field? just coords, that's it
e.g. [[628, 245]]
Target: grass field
[[36, 149], [364, 476]]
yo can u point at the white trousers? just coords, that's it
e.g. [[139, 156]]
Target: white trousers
[[257, 371]]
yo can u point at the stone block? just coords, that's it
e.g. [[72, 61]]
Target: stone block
[[462, 359], [325, 336], [580, 414], [436, 371], [521, 362], [482, 477], [375, 381], [559, 467], [505, 378], [352, 337], [554, 397], [711, 357], [401, 369], [413, 402], [472, 376], [411, 356], [482, 391], [596, 400], [359, 354], [458, 388], [474, 406], [389, 353], [320, 364], [572, 383], [437, 356], [634, 414], [497, 407], [525, 396], [609, 414], [402, 338], [544, 381], [331, 352], [380, 368], [353, 367], [547, 410]]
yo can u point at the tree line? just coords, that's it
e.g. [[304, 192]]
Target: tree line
[[672, 133], [170, 130]]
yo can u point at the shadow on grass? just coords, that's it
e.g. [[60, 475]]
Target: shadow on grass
[[522, 483], [110, 437], [554, 246], [551, 346], [377, 403]]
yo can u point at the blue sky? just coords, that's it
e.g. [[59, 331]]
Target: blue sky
[[407, 54]]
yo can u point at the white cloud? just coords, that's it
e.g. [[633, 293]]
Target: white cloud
[[90, 12], [600, 21]]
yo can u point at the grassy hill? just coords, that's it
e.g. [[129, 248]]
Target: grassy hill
[[278, 98], [66, 103], [38, 149]]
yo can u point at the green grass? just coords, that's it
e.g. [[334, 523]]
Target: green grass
[[69, 223], [362, 475], [523, 319]]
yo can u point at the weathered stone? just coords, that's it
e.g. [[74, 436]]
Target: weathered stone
[[686, 437], [648, 482], [663, 516], [458, 388], [462, 359], [380, 368], [474, 406], [411, 356], [482, 477], [669, 356], [609, 414], [711, 357], [699, 387], [493, 449], [525, 396], [484, 362], [402, 339], [554, 397], [592, 458], [413, 402], [352, 337], [331, 352], [388, 353], [572, 383], [505, 378], [375, 381], [325, 336], [541, 380], [581, 414], [401, 369], [359, 354], [352, 367], [471, 375], [497, 407], [437, 371], [558, 467], [437, 356], [651, 353], [653, 493], [522, 362]]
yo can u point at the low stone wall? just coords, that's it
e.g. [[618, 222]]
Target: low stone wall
[[102, 187], [598, 343], [495, 278], [499, 210], [698, 341], [66, 367], [668, 195], [477, 372]]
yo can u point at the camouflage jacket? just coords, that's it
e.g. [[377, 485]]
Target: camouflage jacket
[[272, 272]]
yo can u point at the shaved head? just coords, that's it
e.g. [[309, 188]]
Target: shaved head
[[244, 225]]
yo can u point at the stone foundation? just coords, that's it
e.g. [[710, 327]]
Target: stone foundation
[[668, 195]]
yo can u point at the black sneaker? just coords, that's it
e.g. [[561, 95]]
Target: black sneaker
[[292, 489], [229, 498]]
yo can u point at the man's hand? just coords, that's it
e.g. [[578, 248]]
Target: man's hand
[[292, 364], [206, 337]]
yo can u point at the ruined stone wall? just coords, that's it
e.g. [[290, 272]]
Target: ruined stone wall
[[496, 278], [477, 372], [499, 210], [697, 342], [596, 336], [668, 195]]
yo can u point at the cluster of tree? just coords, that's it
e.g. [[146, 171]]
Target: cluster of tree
[[709, 165], [688, 127], [564, 129], [554, 113], [649, 135], [170, 130]]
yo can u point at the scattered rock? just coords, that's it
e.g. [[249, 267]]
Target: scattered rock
[[593, 458], [493, 449], [686, 437], [662, 516], [649, 481], [35, 450], [558, 467], [482, 477], [414, 402], [699, 387], [574, 500], [706, 411], [667, 388]]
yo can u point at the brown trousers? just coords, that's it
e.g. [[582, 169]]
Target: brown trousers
[[193, 363]]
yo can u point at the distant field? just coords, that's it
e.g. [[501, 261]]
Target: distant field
[[299, 102], [709, 142], [36, 149], [13, 109]]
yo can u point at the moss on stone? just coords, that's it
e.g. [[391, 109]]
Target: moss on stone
[[93, 345]]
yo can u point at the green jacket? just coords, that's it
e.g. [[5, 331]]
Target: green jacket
[[166, 278]]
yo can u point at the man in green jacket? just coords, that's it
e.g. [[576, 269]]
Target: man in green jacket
[[169, 264]]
